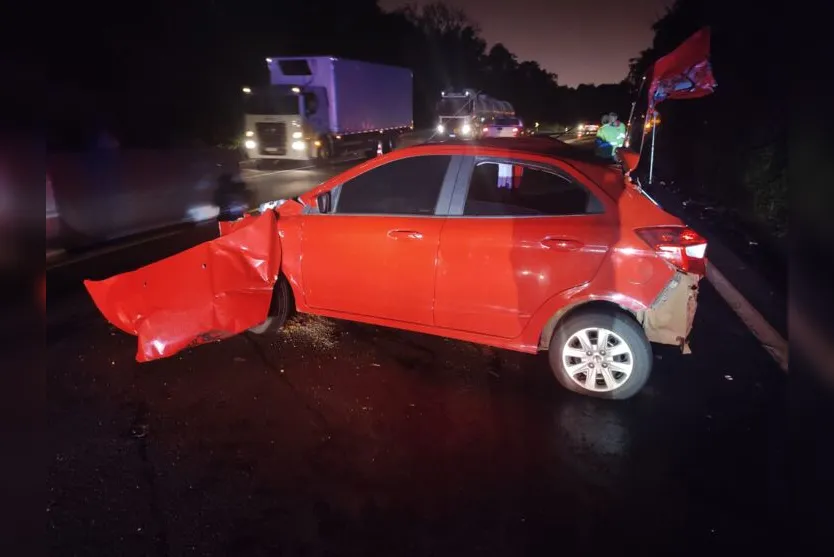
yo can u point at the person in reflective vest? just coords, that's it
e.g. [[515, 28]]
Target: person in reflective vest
[[611, 136], [600, 146]]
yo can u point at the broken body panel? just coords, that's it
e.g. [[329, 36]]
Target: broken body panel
[[209, 292]]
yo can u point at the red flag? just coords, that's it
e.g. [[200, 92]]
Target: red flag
[[684, 73]]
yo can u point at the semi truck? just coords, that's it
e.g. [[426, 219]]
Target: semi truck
[[462, 113], [318, 108]]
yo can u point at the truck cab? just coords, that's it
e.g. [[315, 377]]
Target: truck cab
[[463, 113], [282, 122]]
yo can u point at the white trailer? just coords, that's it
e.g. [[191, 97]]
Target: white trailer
[[322, 107]]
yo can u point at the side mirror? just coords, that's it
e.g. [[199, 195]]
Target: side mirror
[[628, 157], [323, 202]]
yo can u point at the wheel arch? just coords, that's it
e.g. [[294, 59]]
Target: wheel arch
[[581, 307]]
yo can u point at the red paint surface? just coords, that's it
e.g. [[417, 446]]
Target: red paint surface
[[374, 266], [209, 292], [493, 274], [495, 281]]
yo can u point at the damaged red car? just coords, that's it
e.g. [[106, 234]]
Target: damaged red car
[[528, 245]]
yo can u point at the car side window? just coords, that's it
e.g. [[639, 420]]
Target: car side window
[[507, 189], [408, 186]]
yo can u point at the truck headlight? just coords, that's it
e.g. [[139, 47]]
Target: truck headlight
[[465, 129], [440, 128], [296, 135], [250, 143], [299, 145]]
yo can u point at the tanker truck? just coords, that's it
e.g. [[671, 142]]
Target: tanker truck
[[462, 113]]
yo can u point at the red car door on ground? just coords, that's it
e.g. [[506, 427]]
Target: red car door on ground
[[525, 235], [375, 254]]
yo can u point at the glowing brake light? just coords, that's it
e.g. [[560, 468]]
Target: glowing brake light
[[486, 130], [682, 247]]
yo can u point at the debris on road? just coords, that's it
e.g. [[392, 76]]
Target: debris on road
[[318, 332]]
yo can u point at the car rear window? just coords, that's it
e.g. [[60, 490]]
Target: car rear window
[[506, 189]]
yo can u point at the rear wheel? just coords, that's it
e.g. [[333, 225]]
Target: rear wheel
[[603, 354], [279, 309]]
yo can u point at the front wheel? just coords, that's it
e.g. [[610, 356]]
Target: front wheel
[[279, 309], [603, 354]]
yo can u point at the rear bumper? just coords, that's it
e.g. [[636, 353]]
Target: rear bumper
[[669, 319]]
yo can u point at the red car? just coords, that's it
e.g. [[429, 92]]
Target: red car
[[521, 244]]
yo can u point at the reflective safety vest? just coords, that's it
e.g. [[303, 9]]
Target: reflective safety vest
[[613, 135]]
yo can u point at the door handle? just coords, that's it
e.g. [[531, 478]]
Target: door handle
[[562, 244], [406, 234]]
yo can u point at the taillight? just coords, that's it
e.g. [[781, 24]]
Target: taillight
[[682, 247], [486, 130], [515, 130]]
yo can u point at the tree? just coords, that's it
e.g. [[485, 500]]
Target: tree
[[171, 70]]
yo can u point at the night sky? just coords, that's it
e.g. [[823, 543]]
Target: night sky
[[583, 41]]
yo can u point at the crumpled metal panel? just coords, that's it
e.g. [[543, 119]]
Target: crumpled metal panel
[[210, 292], [670, 319]]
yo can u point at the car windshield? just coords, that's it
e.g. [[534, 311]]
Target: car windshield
[[453, 106], [271, 103]]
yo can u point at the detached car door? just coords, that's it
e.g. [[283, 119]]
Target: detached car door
[[518, 234], [374, 254]]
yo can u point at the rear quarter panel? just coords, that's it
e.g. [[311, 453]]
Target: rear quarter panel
[[631, 277]]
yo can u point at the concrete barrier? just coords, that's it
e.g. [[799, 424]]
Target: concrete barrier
[[108, 194], [112, 193]]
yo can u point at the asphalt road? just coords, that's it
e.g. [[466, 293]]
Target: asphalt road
[[332, 438], [290, 180]]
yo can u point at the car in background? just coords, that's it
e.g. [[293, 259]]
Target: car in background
[[502, 127], [587, 129], [522, 244]]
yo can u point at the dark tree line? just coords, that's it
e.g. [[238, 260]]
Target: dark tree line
[[732, 145], [165, 71]]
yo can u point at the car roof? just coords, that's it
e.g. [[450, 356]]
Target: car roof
[[601, 171], [537, 145]]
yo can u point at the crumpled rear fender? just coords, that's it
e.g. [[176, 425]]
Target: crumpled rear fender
[[669, 319], [209, 292]]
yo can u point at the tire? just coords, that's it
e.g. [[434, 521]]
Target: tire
[[610, 380], [279, 309]]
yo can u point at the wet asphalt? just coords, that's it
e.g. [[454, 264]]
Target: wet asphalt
[[334, 438]]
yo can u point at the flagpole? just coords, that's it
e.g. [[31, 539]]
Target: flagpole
[[651, 157], [633, 105]]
